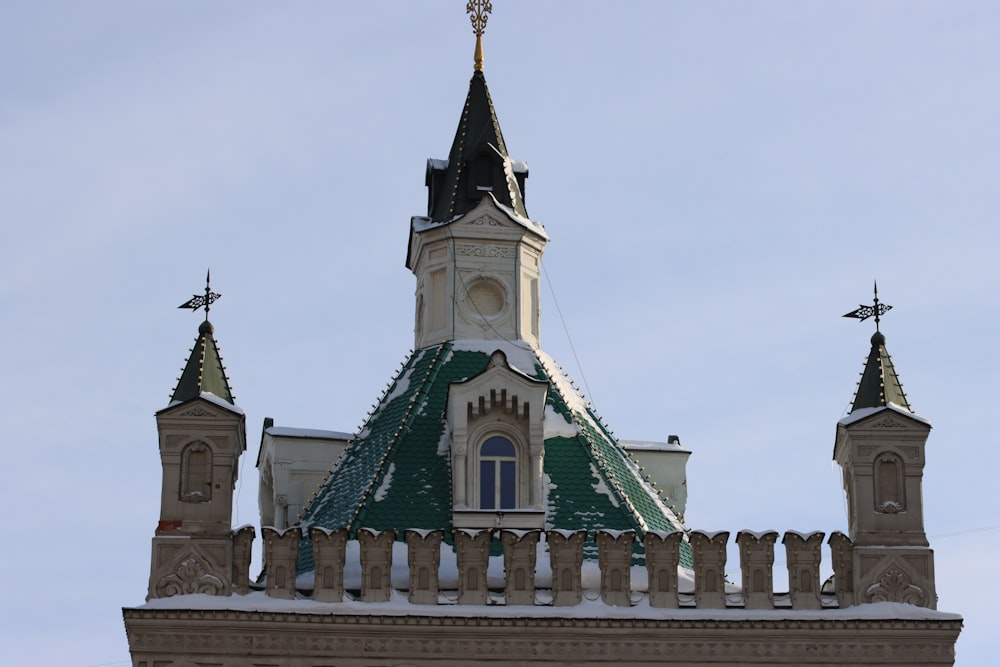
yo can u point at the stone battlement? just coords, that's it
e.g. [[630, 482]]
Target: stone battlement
[[458, 573]]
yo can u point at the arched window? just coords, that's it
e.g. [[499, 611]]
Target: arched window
[[497, 474]]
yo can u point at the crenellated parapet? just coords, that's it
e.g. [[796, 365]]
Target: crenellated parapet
[[470, 571]]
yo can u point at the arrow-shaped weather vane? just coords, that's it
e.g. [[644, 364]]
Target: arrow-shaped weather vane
[[206, 299], [877, 310]]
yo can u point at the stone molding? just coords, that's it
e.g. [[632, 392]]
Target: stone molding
[[173, 638]]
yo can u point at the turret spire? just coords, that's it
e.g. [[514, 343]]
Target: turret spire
[[879, 383], [203, 372], [478, 164]]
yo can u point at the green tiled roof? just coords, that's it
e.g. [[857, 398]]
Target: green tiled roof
[[396, 474], [203, 372], [879, 384]]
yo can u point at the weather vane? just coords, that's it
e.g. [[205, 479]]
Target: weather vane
[[479, 12], [206, 300], [864, 312]]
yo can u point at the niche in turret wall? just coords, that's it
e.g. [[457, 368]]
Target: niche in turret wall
[[196, 473], [890, 490]]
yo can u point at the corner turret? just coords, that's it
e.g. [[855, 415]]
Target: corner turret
[[880, 448], [202, 435]]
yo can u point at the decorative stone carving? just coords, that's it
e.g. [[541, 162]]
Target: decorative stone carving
[[663, 552], [424, 559], [899, 574], [328, 560], [519, 565], [281, 558], [198, 411], [566, 561], [709, 551], [472, 548], [242, 549], [376, 564], [756, 565], [485, 250], [190, 576], [843, 567], [896, 586], [802, 553], [614, 555], [181, 565]]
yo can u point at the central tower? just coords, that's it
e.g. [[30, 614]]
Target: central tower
[[476, 254]]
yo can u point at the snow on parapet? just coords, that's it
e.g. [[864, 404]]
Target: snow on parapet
[[804, 536]]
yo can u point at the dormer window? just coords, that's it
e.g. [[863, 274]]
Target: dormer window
[[497, 448], [497, 474]]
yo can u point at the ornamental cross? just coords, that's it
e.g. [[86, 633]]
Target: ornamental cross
[[206, 299], [863, 312], [479, 12]]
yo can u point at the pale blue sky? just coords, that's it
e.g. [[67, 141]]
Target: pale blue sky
[[721, 181]]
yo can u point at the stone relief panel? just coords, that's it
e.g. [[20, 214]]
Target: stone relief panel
[[190, 576], [896, 586]]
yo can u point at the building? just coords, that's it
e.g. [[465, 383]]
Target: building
[[486, 515]]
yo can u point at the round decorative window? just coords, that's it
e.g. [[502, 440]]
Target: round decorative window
[[485, 298]]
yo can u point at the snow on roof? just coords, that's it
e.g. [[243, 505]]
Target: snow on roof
[[399, 605], [653, 446], [519, 166], [212, 398], [601, 487], [288, 432], [862, 413], [421, 223], [386, 484]]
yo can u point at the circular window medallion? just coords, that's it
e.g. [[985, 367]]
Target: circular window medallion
[[485, 298]]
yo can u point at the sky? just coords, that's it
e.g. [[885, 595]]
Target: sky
[[721, 181]]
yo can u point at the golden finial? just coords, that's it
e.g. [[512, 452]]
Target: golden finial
[[479, 11]]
